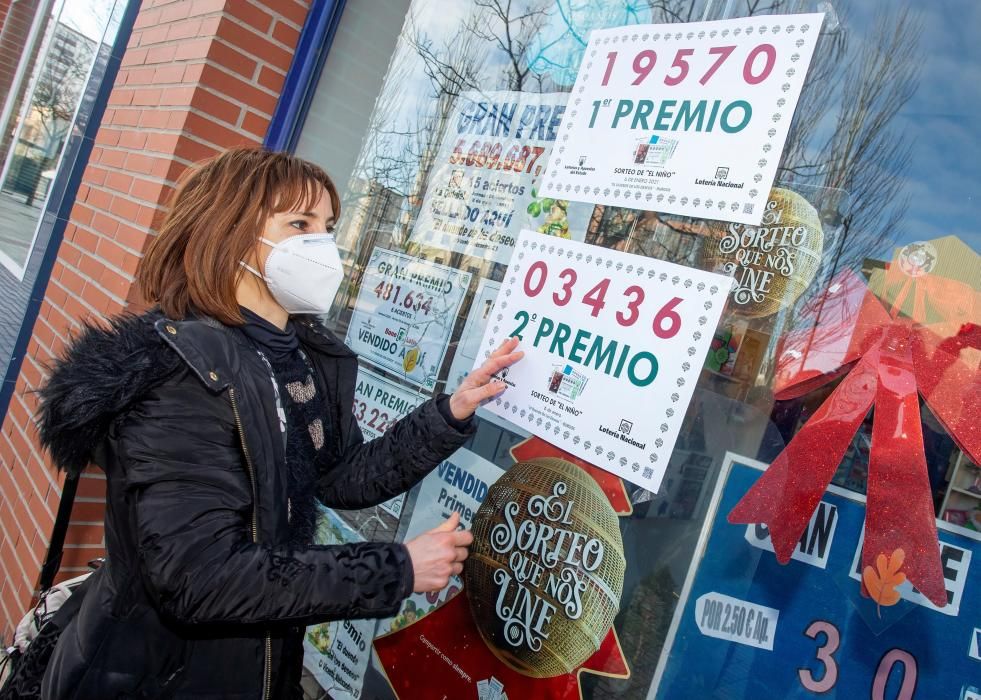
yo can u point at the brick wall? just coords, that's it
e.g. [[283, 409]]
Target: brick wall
[[197, 76]]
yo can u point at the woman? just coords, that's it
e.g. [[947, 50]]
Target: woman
[[218, 419]]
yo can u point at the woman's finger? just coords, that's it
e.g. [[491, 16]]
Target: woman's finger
[[486, 392], [473, 397], [492, 366], [506, 346]]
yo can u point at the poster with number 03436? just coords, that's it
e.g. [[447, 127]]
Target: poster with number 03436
[[683, 119], [613, 347]]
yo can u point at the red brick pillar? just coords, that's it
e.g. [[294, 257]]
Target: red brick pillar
[[198, 76]]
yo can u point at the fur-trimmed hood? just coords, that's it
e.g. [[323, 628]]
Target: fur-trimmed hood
[[107, 370], [104, 372]]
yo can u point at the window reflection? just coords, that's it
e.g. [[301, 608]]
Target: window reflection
[[881, 155], [71, 39]]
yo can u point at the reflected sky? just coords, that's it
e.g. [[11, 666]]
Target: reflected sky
[[88, 17], [943, 117], [940, 121]]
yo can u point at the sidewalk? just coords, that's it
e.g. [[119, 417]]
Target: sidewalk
[[18, 222]]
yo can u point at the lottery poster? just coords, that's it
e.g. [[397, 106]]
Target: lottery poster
[[337, 653], [683, 119], [458, 485], [378, 404], [613, 344], [405, 313], [484, 186], [749, 627], [468, 347]]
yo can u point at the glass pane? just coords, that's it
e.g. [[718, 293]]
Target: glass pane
[[878, 177], [73, 37], [25, 229]]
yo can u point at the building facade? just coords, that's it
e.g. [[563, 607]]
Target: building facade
[[874, 187]]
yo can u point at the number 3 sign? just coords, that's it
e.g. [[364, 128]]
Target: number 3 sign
[[613, 347], [683, 118]]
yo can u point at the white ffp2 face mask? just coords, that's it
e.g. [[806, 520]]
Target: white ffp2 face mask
[[303, 273]]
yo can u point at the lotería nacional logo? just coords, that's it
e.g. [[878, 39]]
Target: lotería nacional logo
[[623, 434], [720, 179]]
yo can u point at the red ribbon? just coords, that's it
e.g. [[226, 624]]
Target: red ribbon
[[887, 361], [443, 655]]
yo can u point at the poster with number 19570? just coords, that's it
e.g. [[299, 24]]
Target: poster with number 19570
[[684, 119]]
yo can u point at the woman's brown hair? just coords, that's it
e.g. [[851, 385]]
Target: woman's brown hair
[[215, 218]]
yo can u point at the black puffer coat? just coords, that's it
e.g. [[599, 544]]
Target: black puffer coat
[[200, 597]]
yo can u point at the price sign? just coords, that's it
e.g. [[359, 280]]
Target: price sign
[[613, 342], [683, 118], [405, 313], [378, 404], [748, 627]]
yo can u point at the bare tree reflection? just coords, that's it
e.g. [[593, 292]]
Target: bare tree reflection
[[862, 153], [512, 31]]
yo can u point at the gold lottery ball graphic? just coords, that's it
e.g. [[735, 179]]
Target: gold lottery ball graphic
[[545, 572], [410, 360], [772, 263]]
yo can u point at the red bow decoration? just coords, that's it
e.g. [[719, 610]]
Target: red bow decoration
[[443, 655], [887, 360]]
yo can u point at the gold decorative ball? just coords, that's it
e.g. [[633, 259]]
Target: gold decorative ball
[[772, 263], [545, 571]]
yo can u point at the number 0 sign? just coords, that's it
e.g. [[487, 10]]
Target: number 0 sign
[[683, 118], [613, 347]]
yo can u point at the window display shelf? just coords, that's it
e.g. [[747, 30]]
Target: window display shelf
[[965, 492], [961, 505]]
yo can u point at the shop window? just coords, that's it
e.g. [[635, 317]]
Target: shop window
[[880, 167], [59, 45]]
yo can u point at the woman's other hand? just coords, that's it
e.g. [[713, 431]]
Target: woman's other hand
[[438, 554], [478, 387]]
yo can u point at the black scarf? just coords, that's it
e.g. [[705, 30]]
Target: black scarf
[[307, 419]]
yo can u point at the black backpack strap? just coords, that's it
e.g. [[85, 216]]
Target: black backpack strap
[[52, 561]]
